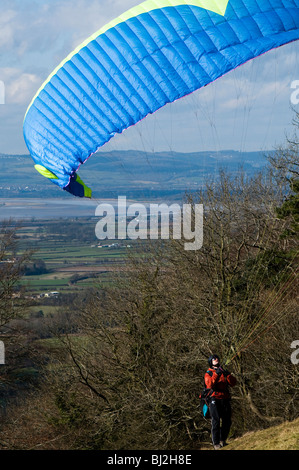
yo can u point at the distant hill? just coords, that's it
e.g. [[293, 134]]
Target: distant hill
[[136, 174]]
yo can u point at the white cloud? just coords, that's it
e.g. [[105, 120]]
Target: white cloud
[[21, 89], [33, 26], [6, 30], [19, 86]]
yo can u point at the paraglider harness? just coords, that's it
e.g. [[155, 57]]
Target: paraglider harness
[[205, 398]]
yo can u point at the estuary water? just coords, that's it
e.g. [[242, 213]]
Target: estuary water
[[43, 209]]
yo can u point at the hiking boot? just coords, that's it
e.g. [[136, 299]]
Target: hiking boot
[[217, 447], [223, 444]]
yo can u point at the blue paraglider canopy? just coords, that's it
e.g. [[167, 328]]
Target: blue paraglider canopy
[[152, 55]]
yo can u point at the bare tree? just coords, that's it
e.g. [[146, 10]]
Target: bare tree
[[12, 264], [13, 307], [285, 160], [137, 369], [129, 366]]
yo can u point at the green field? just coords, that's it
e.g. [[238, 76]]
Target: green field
[[70, 264]]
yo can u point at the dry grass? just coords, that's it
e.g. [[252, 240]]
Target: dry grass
[[282, 437]]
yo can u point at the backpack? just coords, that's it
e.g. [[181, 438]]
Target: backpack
[[205, 399]]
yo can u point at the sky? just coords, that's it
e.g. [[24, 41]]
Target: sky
[[249, 109]]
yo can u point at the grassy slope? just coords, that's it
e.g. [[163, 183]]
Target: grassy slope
[[282, 437]]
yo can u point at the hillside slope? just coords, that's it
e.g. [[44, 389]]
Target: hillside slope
[[282, 437], [133, 173]]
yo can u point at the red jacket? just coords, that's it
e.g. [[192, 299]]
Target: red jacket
[[219, 383]]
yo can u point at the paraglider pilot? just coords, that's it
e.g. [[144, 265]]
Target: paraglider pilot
[[219, 380]]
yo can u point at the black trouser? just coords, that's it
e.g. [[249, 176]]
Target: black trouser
[[220, 411]]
